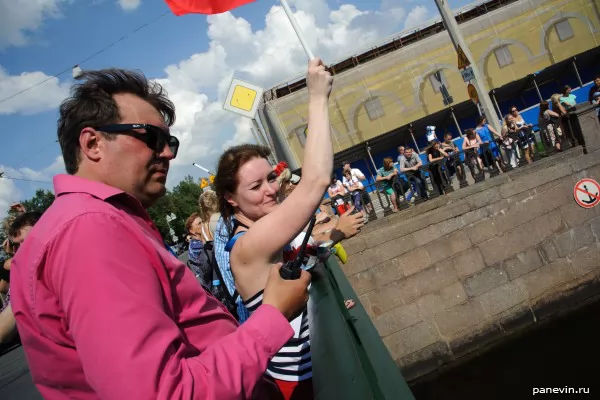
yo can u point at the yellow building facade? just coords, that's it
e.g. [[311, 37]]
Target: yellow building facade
[[371, 98]]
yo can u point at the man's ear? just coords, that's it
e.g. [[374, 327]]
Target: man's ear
[[89, 142], [230, 199]]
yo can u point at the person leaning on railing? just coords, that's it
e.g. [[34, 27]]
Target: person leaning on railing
[[549, 122], [411, 164], [386, 175], [263, 228], [436, 155]]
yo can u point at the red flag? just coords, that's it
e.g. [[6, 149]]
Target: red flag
[[182, 7]]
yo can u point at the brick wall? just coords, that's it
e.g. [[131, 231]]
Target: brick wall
[[455, 274]]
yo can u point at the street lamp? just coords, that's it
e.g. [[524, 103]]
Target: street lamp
[[77, 72], [203, 169]]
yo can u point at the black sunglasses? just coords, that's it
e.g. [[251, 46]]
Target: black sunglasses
[[155, 138]]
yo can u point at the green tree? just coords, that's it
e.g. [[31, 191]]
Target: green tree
[[40, 202], [181, 201], [185, 202], [159, 211]]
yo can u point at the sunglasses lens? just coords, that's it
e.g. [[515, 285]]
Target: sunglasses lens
[[174, 145], [160, 139]]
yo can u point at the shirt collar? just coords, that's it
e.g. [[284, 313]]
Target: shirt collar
[[64, 184]]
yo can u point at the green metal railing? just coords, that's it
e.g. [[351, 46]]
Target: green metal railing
[[350, 361]]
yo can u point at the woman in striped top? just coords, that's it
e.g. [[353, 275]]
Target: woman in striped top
[[247, 189]]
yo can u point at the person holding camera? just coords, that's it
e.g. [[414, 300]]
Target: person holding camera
[[263, 228]]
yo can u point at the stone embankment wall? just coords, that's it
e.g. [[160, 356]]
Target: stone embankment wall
[[458, 273]]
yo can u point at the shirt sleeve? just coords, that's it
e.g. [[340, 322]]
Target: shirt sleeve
[[128, 345]]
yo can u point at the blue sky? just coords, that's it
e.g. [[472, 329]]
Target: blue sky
[[194, 56]]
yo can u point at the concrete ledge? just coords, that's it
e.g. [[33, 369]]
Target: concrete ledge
[[456, 275]]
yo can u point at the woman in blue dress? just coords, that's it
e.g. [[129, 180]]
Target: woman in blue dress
[[488, 134]]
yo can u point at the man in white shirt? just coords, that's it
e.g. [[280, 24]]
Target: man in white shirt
[[357, 173]]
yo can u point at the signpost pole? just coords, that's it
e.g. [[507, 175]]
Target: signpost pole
[[460, 44]]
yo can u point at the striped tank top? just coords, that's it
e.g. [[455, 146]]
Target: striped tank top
[[293, 363]]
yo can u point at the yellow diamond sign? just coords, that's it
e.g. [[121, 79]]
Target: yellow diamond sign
[[243, 98]]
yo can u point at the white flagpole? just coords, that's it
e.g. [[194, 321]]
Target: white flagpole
[[294, 23]]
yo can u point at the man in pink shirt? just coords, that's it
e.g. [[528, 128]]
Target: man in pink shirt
[[102, 307]]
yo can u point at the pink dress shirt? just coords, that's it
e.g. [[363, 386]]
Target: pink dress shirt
[[105, 311]]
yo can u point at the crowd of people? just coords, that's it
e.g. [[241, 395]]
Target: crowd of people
[[483, 149], [16, 227], [104, 309]]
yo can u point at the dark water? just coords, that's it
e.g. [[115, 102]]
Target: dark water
[[562, 353]]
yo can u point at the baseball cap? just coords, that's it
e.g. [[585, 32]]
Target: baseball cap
[[295, 179]]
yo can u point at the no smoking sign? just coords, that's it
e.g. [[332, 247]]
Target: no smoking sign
[[587, 193]]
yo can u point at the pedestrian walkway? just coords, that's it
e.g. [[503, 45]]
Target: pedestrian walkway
[[15, 379]]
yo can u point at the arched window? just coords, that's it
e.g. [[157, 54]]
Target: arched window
[[564, 31], [435, 83], [503, 56]]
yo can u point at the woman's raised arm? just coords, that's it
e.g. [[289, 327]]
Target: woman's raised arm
[[275, 230]]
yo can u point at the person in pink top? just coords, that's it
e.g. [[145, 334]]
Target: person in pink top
[[104, 310]]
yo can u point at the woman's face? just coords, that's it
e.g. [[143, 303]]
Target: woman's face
[[256, 193], [196, 228], [287, 188], [436, 146]]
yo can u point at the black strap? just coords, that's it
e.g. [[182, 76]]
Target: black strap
[[237, 224], [217, 270]]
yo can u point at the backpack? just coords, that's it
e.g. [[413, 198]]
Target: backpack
[[212, 281]]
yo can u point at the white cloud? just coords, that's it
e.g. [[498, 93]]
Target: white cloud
[[44, 97], [10, 193], [417, 16], [198, 84], [18, 18], [44, 175], [129, 5], [264, 57]]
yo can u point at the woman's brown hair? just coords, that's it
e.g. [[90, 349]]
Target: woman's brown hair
[[544, 106], [190, 221], [226, 180]]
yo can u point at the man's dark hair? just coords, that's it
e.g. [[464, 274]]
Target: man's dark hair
[[92, 104], [22, 221]]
